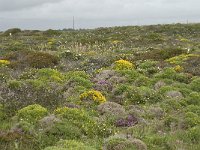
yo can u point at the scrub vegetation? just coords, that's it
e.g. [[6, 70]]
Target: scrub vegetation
[[117, 88]]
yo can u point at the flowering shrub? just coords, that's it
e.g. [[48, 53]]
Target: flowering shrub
[[4, 62], [123, 65], [93, 95], [178, 68], [32, 113]]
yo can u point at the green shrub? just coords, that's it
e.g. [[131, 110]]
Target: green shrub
[[142, 81], [70, 145], [158, 142], [193, 108], [79, 81], [135, 95], [44, 75], [195, 84], [171, 105], [170, 73], [12, 31], [64, 129], [181, 58], [41, 60], [148, 67], [131, 75], [193, 98], [32, 113], [51, 32], [14, 84], [82, 121], [194, 134], [81, 74], [158, 54], [119, 144], [191, 119], [22, 59], [2, 113], [32, 91], [25, 126], [170, 120], [123, 93]]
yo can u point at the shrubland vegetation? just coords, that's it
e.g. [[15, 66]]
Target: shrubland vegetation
[[119, 88]]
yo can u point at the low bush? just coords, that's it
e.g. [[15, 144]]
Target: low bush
[[194, 85], [70, 145], [32, 113], [160, 54], [13, 31], [4, 62], [94, 96], [191, 120], [21, 59], [2, 113], [123, 65], [83, 123]]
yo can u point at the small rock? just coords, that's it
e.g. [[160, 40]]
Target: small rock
[[49, 121], [158, 85], [174, 94]]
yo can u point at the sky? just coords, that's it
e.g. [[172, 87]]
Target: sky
[[58, 14]]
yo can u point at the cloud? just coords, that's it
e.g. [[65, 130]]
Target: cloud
[[13, 5], [43, 14]]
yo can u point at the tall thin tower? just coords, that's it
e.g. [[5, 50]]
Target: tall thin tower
[[73, 23]]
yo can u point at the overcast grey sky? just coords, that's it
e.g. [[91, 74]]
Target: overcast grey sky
[[58, 14]]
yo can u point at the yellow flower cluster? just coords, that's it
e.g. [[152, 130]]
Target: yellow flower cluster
[[4, 62], [96, 96], [178, 68], [123, 64]]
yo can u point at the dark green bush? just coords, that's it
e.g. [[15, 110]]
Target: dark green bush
[[195, 84], [158, 54], [12, 31], [21, 59], [51, 32]]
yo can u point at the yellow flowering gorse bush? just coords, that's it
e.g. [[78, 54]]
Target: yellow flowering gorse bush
[[4, 62], [123, 64], [94, 95], [178, 68]]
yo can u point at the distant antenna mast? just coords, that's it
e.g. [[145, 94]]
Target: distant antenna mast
[[73, 23]]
